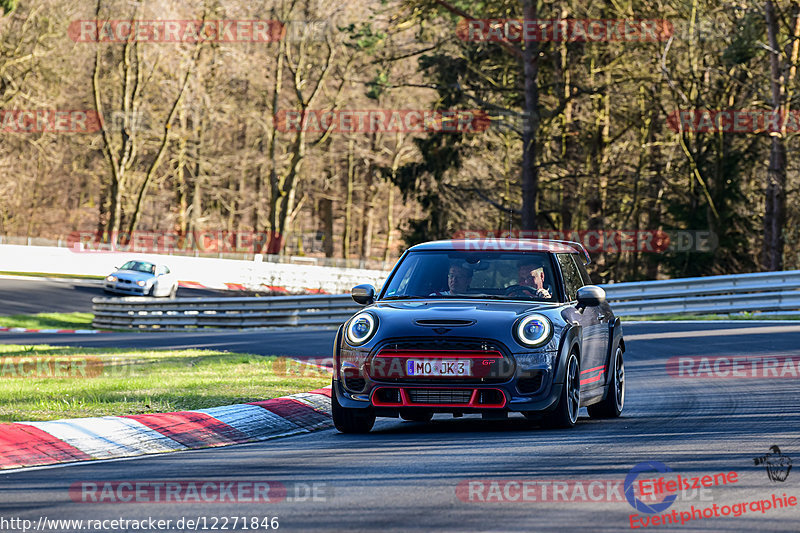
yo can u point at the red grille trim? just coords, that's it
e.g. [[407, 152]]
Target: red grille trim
[[406, 398]]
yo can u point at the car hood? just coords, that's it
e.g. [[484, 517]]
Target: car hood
[[491, 319], [133, 275]]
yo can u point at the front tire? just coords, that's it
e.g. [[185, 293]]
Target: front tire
[[612, 405], [350, 420], [565, 415]]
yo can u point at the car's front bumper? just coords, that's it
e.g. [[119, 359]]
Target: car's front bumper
[[125, 288], [457, 398]]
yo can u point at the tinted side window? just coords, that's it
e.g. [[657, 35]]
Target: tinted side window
[[572, 278], [587, 280]]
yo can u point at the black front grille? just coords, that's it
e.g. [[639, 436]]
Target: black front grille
[[529, 385], [501, 372], [437, 343], [439, 395]]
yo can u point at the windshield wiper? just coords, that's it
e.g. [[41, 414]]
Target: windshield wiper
[[509, 298], [403, 297]]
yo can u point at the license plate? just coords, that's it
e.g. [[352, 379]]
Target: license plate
[[439, 367]]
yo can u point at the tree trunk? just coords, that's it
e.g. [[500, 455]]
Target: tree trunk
[[164, 142], [655, 179], [326, 216], [389, 223], [568, 184], [348, 206], [368, 210], [530, 173], [775, 192]]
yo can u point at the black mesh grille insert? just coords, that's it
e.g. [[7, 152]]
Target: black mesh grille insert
[[489, 396], [529, 385], [353, 380], [389, 395], [355, 384], [440, 395]]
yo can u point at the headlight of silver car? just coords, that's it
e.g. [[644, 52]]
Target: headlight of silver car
[[361, 329], [533, 331]]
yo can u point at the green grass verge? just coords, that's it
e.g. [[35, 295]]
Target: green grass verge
[[49, 275], [78, 382], [743, 316], [48, 321]]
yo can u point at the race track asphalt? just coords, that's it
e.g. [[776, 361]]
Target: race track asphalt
[[40, 295], [404, 476]]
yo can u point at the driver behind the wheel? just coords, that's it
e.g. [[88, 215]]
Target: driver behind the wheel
[[458, 280], [532, 275]]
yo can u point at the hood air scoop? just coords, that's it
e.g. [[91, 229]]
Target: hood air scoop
[[443, 322]]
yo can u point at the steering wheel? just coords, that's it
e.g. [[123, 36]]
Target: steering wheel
[[512, 290]]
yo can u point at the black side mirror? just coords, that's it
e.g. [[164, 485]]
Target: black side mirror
[[363, 294], [590, 296]]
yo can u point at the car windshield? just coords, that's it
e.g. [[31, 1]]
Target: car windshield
[[139, 266], [463, 274]]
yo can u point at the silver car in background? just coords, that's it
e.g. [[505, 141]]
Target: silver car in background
[[142, 278]]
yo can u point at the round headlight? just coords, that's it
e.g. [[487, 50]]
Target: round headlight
[[361, 328], [141, 283], [111, 278], [533, 330]]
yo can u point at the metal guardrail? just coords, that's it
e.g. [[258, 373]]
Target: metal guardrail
[[248, 312], [761, 292]]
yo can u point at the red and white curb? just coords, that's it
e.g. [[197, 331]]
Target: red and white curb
[[241, 287], [79, 331], [24, 444]]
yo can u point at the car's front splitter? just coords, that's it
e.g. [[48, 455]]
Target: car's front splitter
[[512, 401]]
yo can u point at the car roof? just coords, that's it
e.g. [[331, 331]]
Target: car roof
[[502, 244]]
